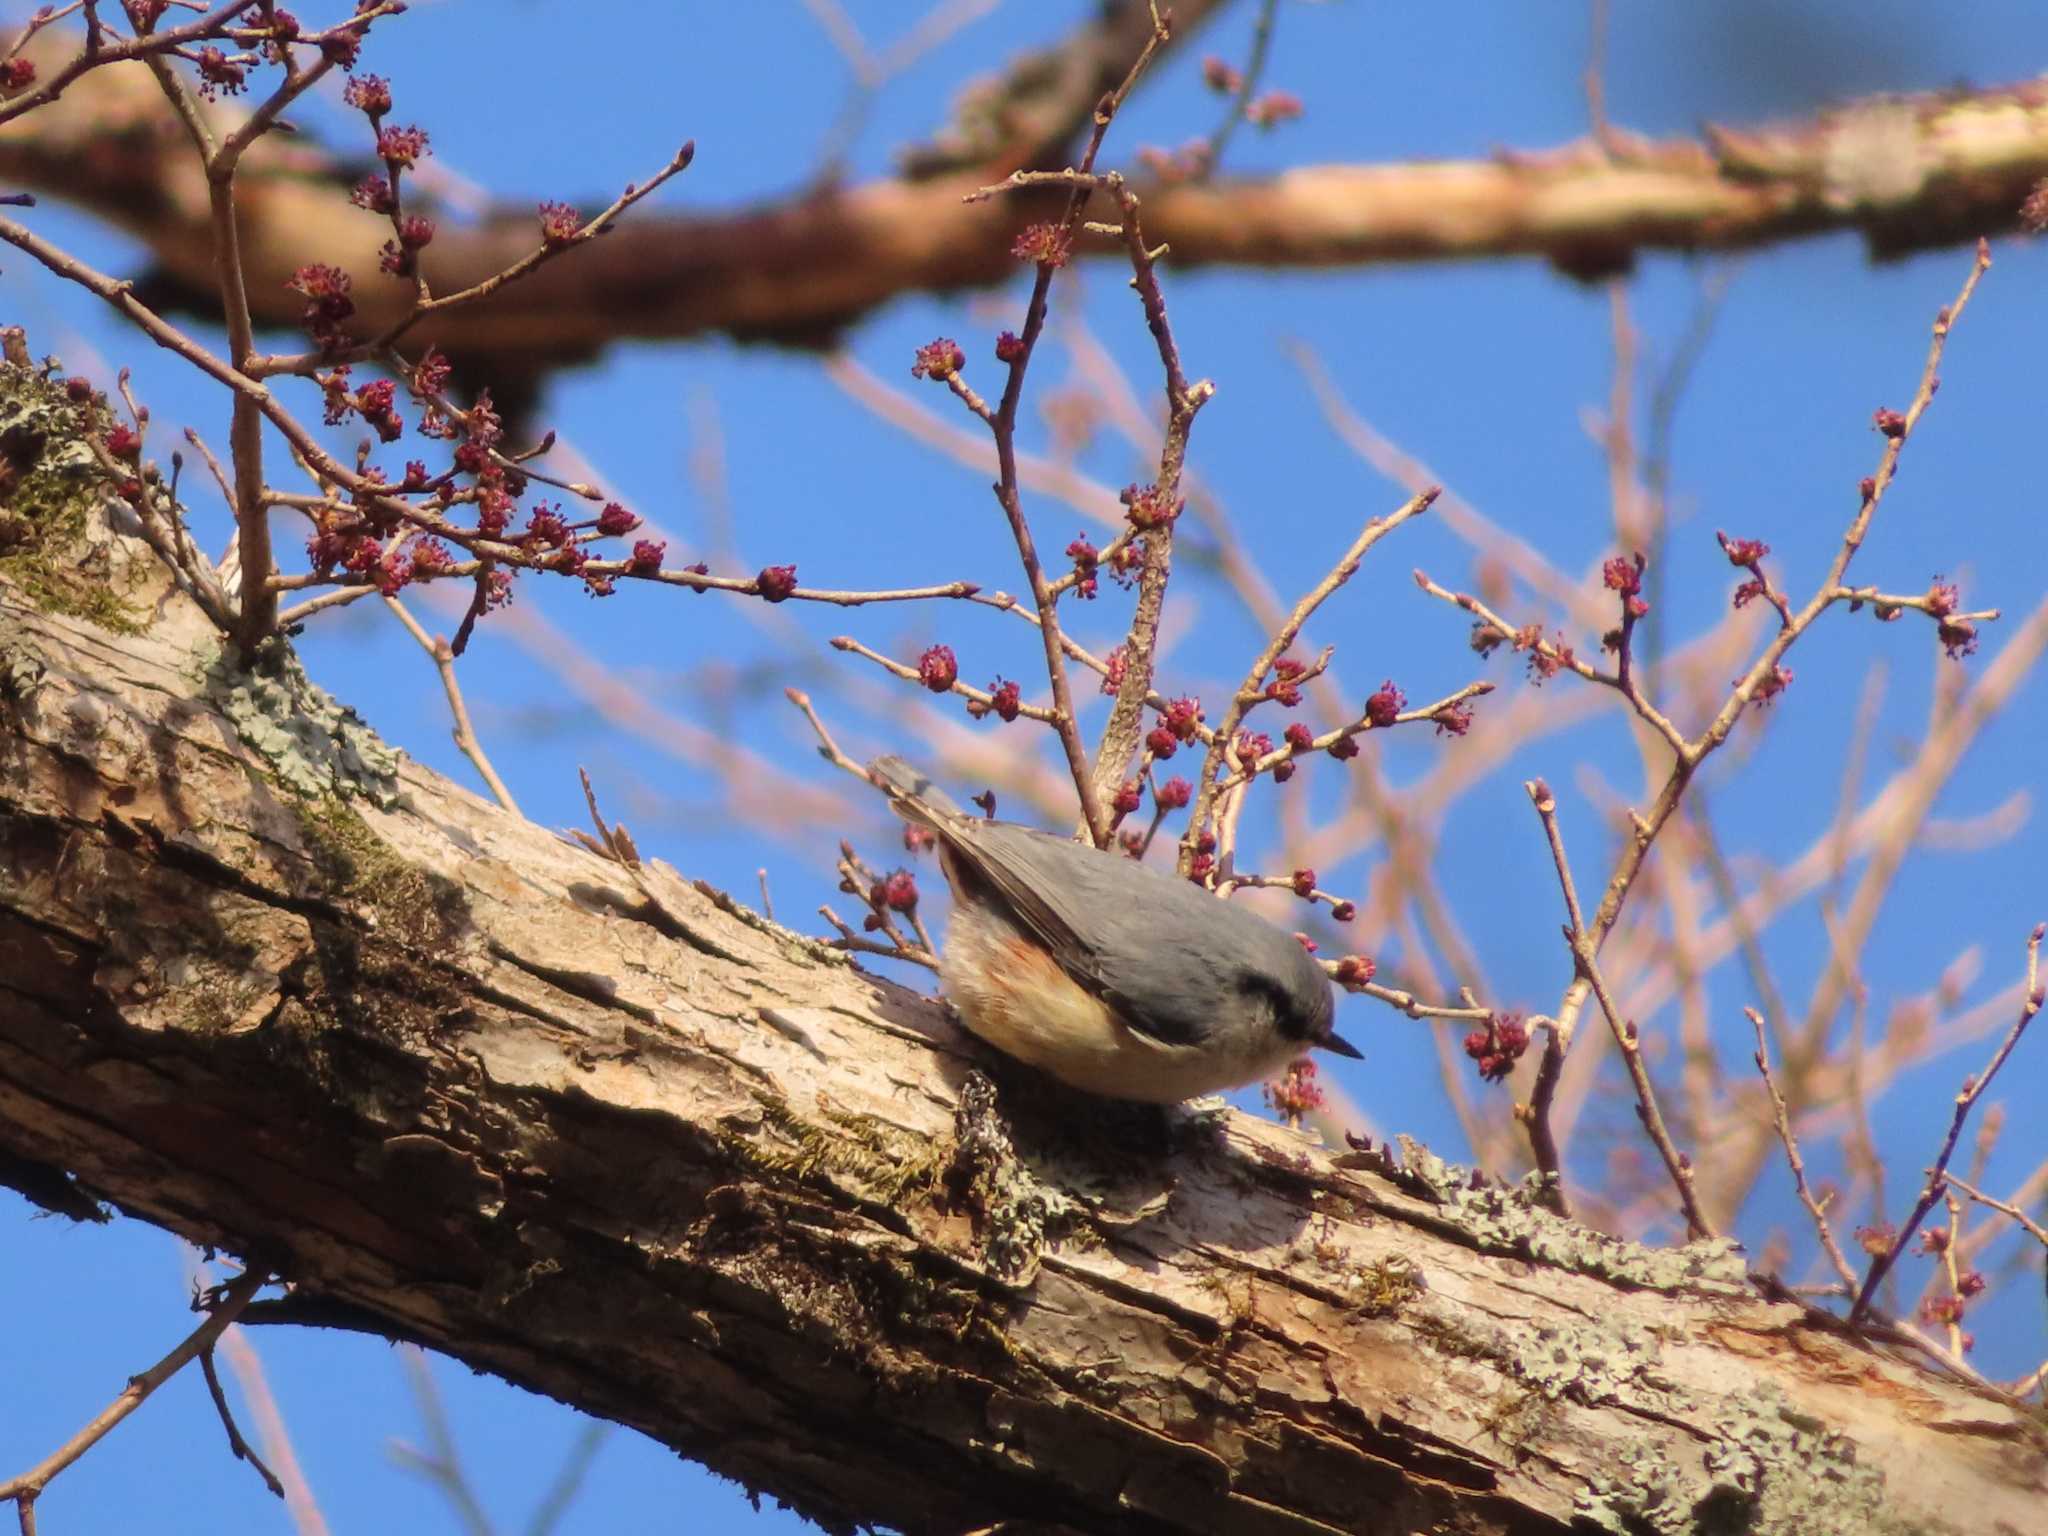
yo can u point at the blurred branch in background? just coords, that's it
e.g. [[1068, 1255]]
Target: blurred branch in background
[[1910, 173]]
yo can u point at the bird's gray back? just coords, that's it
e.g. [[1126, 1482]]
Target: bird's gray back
[[1170, 952]]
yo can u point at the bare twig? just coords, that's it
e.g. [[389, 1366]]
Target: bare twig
[[980, 697], [1814, 1208], [236, 1443], [99, 52], [1249, 691], [270, 1426], [1003, 427], [1247, 84], [2007, 1208], [1585, 949], [1973, 1090], [26, 1487], [466, 741], [441, 1463]]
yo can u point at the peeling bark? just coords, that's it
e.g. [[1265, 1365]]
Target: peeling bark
[[612, 1137]]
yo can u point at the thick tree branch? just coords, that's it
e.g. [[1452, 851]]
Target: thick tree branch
[[598, 1130], [1908, 172]]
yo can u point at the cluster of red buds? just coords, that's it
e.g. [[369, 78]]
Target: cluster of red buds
[[1191, 162], [1005, 701], [1624, 575], [1544, 663], [1285, 689], [328, 304], [1272, 109], [1113, 668], [1774, 682], [1384, 707], [1180, 724], [559, 224], [1353, 972], [1958, 636], [1086, 558], [894, 892], [1946, 1310], [1045, 245], [938, 669], [1149, 506], [1296, 1093], [938, 360], [1498, 1046]]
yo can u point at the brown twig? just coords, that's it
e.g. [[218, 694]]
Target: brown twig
[[1247, 83], [443, 657], [99, 52], [242, 1449], [26, 1487], [850, 940], [2007, 1208], [1814, 1208], [1209, 783], [441, 1464], [827, 747], [1003, 427], [978, 696], [1585, 950], [1536, 1115], [1438, 710], [270, 1426], [1973, 1090], [427, 305], [1414, 1007]]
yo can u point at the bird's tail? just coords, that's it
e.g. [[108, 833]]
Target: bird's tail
[[914, 797]]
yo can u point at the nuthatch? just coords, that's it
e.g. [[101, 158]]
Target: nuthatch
[[1115, 978]]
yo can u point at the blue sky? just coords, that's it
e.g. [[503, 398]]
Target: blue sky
[[1484, 370]]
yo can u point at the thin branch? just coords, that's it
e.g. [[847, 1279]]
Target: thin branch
[[1536, 1119], [1208, 784], [270, 1425], [427, 305], [1438, 711], [1585, 949], [1814, 1208], [443, 657], [1973, 1090], [1247, 84], [152, 45], [2031, 1227], [26, 1487], [241, 1447], [1003, 428], [441, 1464], [979, 697]]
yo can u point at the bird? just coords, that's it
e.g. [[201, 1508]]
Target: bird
[[1114, 978]]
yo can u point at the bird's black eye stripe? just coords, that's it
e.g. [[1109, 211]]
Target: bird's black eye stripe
[[1257, 988]]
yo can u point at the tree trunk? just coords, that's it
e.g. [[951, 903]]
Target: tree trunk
[[606, 1134]]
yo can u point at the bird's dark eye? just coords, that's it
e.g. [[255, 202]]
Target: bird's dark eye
[[1262, 991]]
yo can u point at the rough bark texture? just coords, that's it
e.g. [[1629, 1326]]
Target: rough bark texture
[[612, 1137]]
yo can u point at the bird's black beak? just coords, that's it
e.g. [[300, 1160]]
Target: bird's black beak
[[1336, 1042]]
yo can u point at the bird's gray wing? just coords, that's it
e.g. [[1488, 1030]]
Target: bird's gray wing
[[912, 793], [1106, 921]]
